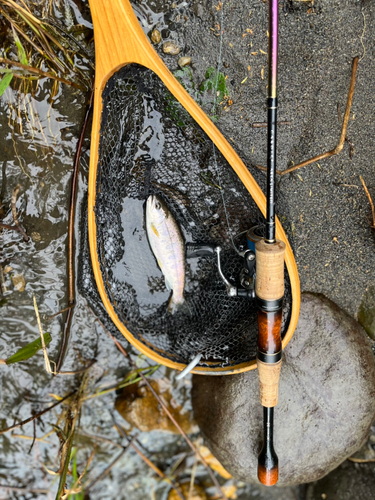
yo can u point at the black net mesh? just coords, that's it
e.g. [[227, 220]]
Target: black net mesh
[[150, 145]]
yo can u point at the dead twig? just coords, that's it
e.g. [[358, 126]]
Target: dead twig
[[340, 145], [77, 486], [58, 313], [98, 438], [37, 415], [41, 73], [264, 124], [361, 460], [72, 209], [47, 361], [106, 471], [170, 416], [34, 437], [148, 462], [23, 490], [370, 200], [14, 228]]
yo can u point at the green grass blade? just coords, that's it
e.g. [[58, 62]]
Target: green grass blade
[[28, 350], [4, 83], [21, 51]]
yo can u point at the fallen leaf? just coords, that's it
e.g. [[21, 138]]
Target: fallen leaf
[[29, 350], [19, 282], [213, 462], [196, 493]]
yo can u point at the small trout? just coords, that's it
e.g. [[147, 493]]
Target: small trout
[[168, 247]]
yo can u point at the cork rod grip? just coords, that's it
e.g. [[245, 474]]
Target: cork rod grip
[[269, 375], [269, 284]]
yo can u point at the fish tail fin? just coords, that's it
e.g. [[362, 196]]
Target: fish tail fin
[[179, 305]]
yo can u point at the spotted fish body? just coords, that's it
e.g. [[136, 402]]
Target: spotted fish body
[[168, 247]]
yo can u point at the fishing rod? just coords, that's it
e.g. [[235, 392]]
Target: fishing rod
[[269, 283]]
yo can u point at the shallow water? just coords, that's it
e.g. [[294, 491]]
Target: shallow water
[[326, 203]]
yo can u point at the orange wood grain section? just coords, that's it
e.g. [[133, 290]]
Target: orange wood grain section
[[119, 40], [269, 324], [268, 477]]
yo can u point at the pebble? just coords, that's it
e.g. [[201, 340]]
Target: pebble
[[171, 48], [184, 61], [156, 37]]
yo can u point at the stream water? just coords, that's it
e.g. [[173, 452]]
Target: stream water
[[38, 140]]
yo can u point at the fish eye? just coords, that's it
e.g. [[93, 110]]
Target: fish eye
[[158, 205]]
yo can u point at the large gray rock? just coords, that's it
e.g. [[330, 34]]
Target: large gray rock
[[349, 482], [326, 400]]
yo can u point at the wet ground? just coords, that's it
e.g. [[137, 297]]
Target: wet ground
[[324, 207]]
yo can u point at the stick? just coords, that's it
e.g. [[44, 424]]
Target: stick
[[45, 354], [71, 291], [106, 471], [23, 490], [264, 124], [370, 200], [340, 145], [148, 462], [58, 313], [98, 438], [37, 415]]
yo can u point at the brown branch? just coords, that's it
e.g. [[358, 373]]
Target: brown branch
[[98, 438], [340, 145], [149, 463], [23, 490], [34, 437], [37, 415], [171, 417], [370, 200], [58, 313], [72, 209], [12, 228], [41, 73], [106, 471]]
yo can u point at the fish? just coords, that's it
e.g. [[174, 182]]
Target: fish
[[168, 247]]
